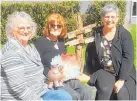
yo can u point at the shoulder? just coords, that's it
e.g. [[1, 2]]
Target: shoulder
[[61, 40], [11, 49], [97, 30], [123, 33], [41, 41], [11, 57], [11, 46]]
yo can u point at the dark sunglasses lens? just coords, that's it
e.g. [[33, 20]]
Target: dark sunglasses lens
[[53, 26], [59, 26]]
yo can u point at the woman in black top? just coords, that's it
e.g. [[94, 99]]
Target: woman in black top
[[110, 59], [51, 45]]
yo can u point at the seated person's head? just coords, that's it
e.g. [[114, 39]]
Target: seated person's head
[[55, 26], [21, 27]]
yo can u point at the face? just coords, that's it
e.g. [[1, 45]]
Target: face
[[23, 32], [110, 20], [55, 29]]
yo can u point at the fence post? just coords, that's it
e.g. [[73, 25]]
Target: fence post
[[79, 47]]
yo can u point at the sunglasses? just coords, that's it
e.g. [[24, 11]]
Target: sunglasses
[[55, 26]]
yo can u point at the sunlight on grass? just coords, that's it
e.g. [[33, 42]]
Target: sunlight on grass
[[133, 34], [0, 46]]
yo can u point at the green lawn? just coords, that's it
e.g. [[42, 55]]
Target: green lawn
[[133, 34], [0, 46]]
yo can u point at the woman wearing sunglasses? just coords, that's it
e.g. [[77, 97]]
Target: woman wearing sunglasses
[[51, 45]]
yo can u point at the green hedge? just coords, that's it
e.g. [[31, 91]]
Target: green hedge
[[93, 13], [39, 11]]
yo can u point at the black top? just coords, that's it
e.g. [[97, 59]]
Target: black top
[[47, 51]]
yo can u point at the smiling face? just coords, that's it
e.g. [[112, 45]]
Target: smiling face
[[110, 20], [55, 28], [22, 31]]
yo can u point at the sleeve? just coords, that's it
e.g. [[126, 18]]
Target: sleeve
[[13, 67], [127, 55]]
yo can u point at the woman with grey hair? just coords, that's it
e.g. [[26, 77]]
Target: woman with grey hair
[[21, 68], [109, 59]]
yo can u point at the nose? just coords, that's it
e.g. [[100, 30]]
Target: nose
[[26, 31], [109, 19], [56, 27]]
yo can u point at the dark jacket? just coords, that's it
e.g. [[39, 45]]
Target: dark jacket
[[122, 54], [122, 58]]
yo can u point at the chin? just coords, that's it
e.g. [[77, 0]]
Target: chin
[[110, 26], [55, 34]]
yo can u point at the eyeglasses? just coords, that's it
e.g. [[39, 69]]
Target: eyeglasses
[[55, 26], [22, 28], [112, 17]]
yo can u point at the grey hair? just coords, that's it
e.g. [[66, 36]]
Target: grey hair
[[109, 8], [11, 23]]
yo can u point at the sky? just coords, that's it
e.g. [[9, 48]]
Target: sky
[[84, 6]]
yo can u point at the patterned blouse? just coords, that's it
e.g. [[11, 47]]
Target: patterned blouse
[[106, 59]]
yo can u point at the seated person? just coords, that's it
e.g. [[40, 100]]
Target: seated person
[[110, 59], [21, 68], [51, 45]]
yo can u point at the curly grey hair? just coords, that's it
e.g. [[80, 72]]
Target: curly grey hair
[[109, 8], [12, 22]]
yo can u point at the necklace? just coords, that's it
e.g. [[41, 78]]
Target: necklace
[[55, 43], [56, 46]]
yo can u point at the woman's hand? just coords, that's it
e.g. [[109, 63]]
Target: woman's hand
[[118, 85], [55, 76]]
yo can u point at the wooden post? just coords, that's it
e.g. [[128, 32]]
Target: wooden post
[[79, 47], [76, 38]]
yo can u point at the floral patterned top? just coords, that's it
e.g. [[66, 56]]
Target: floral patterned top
[[106, 59]]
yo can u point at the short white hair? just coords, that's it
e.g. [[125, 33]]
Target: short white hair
[[11, 23], [109, 8]]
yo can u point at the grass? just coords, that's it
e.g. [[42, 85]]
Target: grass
[[71, 49], [0, 46], [133, 34]]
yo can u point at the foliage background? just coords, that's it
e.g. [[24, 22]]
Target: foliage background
[[93, 12], [39, 12], [69, 9]]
